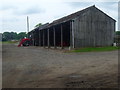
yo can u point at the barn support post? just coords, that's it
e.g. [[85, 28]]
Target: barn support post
[[33, 39], [48, 38], [70, 35], [54, 37], [61, 36], [43, 39], [39, 39], [73, 35]]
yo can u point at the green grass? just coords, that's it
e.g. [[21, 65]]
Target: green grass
[[96, 49]]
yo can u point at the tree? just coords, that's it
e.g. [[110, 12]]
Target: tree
[[117, 32], [21, 35], [6, 36], [13, 35], [38, 25]]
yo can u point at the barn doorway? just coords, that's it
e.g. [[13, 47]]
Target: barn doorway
[[65, 42]]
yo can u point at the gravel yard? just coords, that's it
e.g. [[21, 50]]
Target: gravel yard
[[36, 67]]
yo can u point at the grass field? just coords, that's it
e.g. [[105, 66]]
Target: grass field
[[7, 42], [95, 49]]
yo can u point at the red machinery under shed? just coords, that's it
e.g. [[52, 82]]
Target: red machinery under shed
[[24, 42]]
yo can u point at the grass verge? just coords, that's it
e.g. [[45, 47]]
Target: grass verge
[[95, 49], [8, 42]]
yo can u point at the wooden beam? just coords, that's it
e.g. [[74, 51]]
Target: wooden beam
[[43, 39], [33, 39], [48, 38], [54, 37], [70, 35], [73, 36], [39, 39], [61, 37]]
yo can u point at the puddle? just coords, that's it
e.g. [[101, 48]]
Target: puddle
[[74, 76]]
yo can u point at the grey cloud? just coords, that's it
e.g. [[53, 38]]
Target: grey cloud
[[7, 7], [10, 20], [30, 10], [79, 4], [34, 11], [106, 5]]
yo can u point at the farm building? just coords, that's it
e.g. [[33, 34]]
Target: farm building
[[89, 27]]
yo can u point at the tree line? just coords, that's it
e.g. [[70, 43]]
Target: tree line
[[8, 36]]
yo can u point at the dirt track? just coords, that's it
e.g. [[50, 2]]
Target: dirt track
[[35, 67]]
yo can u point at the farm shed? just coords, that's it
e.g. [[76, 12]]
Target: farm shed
[[89, 27]]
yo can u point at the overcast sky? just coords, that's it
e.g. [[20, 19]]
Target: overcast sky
[[13, 13]]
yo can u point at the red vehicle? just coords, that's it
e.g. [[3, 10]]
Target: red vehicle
[[24, 42]]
